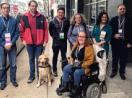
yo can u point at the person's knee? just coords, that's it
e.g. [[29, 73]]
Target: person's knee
[[77, 72], [67, 68]]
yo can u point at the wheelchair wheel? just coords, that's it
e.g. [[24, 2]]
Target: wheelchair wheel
[[93, 91]]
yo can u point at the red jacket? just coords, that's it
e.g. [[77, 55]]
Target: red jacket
[[33, 29]]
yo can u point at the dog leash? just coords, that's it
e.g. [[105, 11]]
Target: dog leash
[[47, 89]]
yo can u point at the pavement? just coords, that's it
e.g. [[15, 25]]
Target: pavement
[[117, 88]]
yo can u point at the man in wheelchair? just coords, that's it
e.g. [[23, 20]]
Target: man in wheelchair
[[82, 57]]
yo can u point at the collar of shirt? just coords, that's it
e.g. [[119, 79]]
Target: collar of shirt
[[33, 15]]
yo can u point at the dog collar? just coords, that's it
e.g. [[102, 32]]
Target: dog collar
[[44, 66]]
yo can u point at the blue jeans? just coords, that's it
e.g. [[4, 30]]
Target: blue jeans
[[12, 62], [34, 51], [77, 74]]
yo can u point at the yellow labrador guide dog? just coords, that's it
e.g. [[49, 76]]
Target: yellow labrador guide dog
[[44, 69]]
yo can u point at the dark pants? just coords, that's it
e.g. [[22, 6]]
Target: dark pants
[[12, 62], [63, 49], [34, 51], [119, 55]]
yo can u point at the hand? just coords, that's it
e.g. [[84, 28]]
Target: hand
[[44, 44], [117, 36], [24, 43], [100, 43], [7, 47], [129, 45]]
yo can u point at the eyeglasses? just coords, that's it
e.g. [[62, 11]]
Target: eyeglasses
[[5, 7], [82, 36]]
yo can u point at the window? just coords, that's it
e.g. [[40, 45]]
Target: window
[[92, 8]]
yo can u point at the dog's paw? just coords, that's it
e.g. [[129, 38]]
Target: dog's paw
[[38, 85], [49, 83]]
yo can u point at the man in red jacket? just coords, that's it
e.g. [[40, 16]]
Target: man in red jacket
[[34, 34]]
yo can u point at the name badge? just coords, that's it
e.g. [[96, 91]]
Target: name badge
[[7, 39], [120, 31], [102, 35], [61, 35]]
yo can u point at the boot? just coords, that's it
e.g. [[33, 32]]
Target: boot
[[62, 88]]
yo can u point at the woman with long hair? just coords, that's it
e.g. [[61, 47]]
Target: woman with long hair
[[82, 56], [77, 25], [102, 32]]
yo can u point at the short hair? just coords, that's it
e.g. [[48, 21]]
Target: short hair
[[33, 2], [120, 5], [61, 8], [100, 16], [4, 4]]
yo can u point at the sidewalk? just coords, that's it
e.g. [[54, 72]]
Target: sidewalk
[[117, 88]]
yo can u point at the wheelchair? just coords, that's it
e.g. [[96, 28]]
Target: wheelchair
[[90, 86]]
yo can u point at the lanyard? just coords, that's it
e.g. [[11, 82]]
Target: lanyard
[[6, 25], [61, 26], [77, 50], [121, 23], [76, 53]]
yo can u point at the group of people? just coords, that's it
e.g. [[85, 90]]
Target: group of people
[[33, 31]]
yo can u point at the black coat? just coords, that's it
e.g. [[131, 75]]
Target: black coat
[[127, 30], [54, 29]]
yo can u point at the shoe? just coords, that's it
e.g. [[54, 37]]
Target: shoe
[[122, 76], [3, 86], [62, 88], [15, 84], [30, 80], [55, 74], [113, 75]]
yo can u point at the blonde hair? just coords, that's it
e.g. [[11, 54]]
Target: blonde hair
[[83, 19]]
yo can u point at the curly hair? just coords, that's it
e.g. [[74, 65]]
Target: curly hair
[[100, 16]]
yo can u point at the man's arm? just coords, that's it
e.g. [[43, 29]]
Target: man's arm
[[51, 28], [45, 32], [22, 29]]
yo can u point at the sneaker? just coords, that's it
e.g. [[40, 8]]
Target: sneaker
[[55, 73], [30, 80]]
